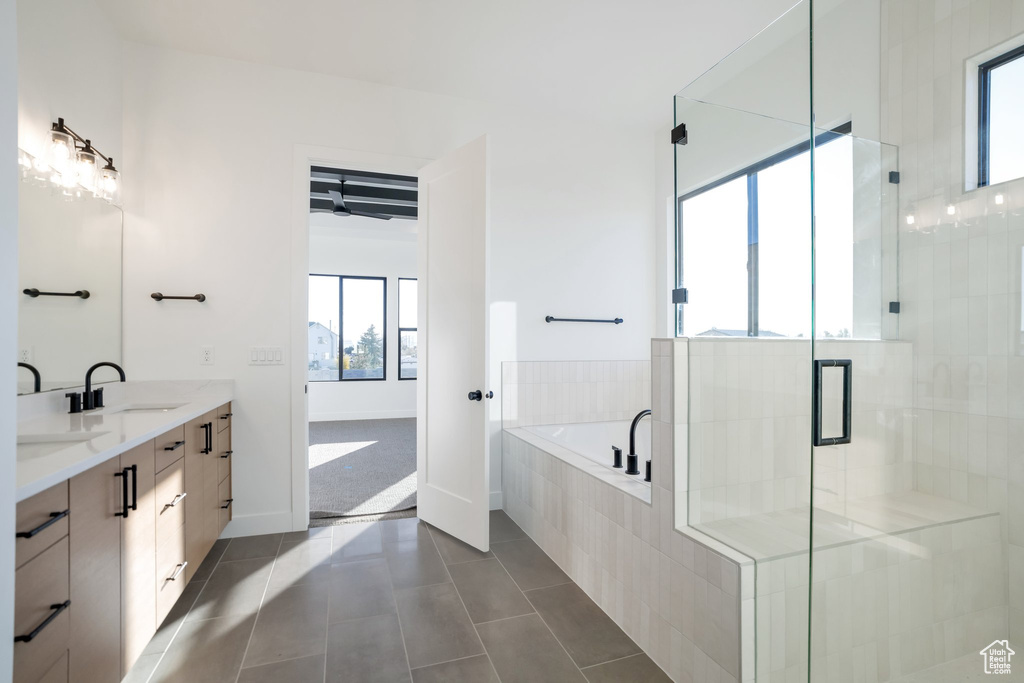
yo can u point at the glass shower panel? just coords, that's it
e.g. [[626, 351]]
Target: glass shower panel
[[743, 257], [916, 572]]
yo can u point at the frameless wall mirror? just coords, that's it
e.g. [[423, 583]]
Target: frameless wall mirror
[[69, 286]]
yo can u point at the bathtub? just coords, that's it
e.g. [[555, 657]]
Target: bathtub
[[594, 441]]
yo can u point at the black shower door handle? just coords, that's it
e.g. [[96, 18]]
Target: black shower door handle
[[819, 368]]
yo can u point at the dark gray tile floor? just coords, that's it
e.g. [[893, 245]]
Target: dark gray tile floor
[[387, 601]]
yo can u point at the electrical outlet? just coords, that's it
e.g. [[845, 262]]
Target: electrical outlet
[[25, 356], [206, 355]]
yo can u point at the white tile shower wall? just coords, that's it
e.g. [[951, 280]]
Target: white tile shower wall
[[677, 598], [750, 425], [560, 392], [960, 274]]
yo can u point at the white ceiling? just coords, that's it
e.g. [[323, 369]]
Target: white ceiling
[[614, 59]]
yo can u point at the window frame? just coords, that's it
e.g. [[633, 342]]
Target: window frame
[[406, 329], [985, 70], [341, 328], [753, 237]]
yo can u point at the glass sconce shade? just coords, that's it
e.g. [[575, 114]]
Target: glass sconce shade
[[26, 165], [85, 167], [109, 184], [61, 156]]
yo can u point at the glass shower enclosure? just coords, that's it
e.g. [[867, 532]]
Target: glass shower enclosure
[[853, 316]]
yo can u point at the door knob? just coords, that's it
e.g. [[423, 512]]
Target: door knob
[[476, 395]]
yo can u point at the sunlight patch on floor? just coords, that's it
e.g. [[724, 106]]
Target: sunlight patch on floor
[[320, 454]]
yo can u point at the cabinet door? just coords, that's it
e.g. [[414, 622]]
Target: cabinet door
[[138, 556], [211, 501], [41, 586], [96, 500], [199, 434], [225, 503], [225, 454]]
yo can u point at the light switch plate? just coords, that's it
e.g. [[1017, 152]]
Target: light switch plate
[[266, 355]]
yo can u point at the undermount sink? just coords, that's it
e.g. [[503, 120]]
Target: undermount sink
[[37, 445], [144, 408]]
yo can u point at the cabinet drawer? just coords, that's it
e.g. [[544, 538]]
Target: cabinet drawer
[[41, 587], [223, 417], [224, 455], [58, 673], [170, 447], [37, 514], [226, 505], [170, 573], [170, 501]]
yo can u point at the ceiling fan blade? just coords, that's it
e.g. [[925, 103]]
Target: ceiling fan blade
[[368, 214], [339, 203]]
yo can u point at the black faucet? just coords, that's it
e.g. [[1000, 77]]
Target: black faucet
[[94, 399], [632, 464], [37, 385]]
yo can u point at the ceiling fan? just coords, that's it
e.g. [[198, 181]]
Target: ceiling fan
[[341, 208]]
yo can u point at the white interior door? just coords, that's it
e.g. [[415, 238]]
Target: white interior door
[[451, 442]]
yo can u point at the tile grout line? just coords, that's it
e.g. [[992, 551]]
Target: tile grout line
[[617, 659], [539, 616], [327, 631], [394, 600], [463, 602], [259, 608]]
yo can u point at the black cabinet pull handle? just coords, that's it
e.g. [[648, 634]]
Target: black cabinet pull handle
[[227, 454], [226, 505], [178, 571], [57, 609], [226, 416], [124, 491], [847, 366], [135, 486], [177, 499], [176, 446], [54, 518], [207, 437]]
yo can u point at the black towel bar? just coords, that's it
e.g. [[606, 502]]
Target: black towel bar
[[553, 319], [81, 294]]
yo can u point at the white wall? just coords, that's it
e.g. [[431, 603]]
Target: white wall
[[8, 331], [336, 250], [69, 65], [211, 146]]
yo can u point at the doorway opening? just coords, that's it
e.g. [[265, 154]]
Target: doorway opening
[[362, 345]]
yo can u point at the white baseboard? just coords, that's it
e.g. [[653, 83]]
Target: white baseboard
[[369, 415], [495, 500], [254, 525]]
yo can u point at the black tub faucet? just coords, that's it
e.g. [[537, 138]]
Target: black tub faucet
[[37, 381], [632, 464], [94, 399]]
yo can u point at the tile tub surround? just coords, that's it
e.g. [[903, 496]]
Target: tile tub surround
[[47, 414], [559, 392], [395, 600], [678, 598]]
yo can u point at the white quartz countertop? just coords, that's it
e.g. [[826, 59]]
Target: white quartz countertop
[[54, 446]]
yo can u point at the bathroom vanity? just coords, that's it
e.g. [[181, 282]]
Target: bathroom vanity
[[117, 508]]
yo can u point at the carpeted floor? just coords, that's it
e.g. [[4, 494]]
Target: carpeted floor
[[361, 467]]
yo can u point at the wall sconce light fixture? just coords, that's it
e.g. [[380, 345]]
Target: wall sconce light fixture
[[73, 165]]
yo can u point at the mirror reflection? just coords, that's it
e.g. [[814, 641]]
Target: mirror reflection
[[69, 284]]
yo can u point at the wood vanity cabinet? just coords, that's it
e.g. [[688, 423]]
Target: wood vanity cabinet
[[41, 625], [102, 557]]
